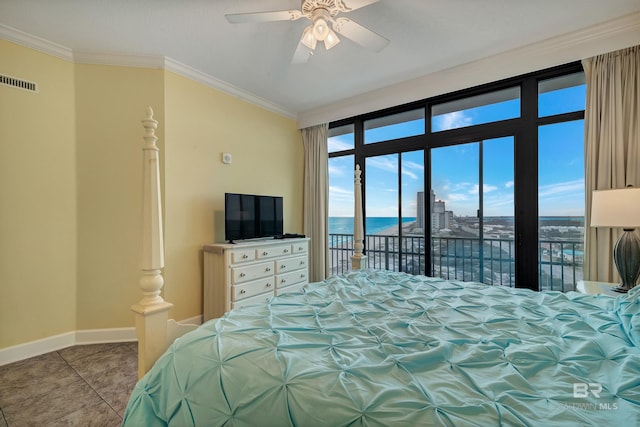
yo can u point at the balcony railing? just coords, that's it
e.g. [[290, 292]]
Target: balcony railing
[[457, 258]]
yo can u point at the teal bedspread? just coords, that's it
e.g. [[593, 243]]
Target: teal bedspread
[[377, 348]]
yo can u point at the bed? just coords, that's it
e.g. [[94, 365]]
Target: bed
[[384, 348], [381, 348]]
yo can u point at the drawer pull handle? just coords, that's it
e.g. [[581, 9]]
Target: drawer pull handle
[[268, 285], [283, 281], [268, 269], [243, 292], [265, 253], [302, 275], [245, 256], [300, 248], [242, 274], [283, 266], [286, 251], [301, 262]]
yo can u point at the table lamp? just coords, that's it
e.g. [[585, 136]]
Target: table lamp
[[620, 208]]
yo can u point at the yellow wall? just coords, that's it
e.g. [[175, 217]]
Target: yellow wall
[[70, 187], [267, 155], [37, 198], [110, 104]]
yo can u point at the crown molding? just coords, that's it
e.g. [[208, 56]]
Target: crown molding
[[118, 59], [137, 61], [36, 43], [208, 80]]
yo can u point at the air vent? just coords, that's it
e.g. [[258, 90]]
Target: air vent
[[18, 83]]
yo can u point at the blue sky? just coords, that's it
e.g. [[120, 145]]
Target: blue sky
[[455, 169]]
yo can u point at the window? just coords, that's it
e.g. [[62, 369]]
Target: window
[[561, 204], [563, 94], [341, 212], [474, 110], [341, 138], [394, 126], [440, 198]]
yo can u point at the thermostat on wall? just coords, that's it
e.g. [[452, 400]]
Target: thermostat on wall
[[226, 158]]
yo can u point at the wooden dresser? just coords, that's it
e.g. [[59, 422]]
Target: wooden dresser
[[247, 273]]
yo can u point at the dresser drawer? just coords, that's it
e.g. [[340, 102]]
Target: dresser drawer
[[251, 272], [273, 251], [288, 279], [300, 247], [249, 289], [258, 299], [242, 255], [290, 264]]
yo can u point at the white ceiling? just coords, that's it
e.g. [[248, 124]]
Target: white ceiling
[[427, 36]]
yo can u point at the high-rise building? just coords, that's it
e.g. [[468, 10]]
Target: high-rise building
[[441, 218]]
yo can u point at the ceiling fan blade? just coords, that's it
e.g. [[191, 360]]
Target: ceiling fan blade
[[281, 15], [359, 34], [357, 4], [302, 54]]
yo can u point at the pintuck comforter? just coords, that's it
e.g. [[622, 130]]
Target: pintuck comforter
[[377, 348]]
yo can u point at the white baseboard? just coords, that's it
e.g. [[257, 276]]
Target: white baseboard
[[68, 339], [36, 348], [99, 336]]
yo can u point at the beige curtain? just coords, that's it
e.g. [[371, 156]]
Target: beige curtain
[[612, 146], [316, 199]]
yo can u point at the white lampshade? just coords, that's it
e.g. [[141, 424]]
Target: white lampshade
[[308, 39], [331, 40], [320, 28], [616, 208]]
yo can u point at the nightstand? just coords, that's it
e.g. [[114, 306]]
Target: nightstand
[[594, 288]]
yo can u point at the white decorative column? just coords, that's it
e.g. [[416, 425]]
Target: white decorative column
[[358, 260], [151, 311]]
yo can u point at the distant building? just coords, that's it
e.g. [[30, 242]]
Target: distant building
[[441, 218]]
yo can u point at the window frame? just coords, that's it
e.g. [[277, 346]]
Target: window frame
[[524, 129]]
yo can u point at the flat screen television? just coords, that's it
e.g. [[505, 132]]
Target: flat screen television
[[250, 216]]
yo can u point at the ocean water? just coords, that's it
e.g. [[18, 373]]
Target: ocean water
[[374, 225]]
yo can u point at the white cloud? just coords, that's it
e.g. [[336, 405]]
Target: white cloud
[[413, 165], [412, 169], [475, 189], [384, 163], [561, 188], [454, 120], [340, 192], [409, 174], [508, 184], [336, 171], [456, 197], [335, 144]]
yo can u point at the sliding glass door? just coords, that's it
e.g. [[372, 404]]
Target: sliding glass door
[[394, 222], [472, 212]]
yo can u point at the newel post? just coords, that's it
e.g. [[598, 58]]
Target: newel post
[[152, 310]]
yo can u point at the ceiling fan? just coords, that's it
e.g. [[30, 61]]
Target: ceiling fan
[[325, 24]]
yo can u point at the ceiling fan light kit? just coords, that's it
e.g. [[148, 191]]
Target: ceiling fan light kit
[[322, 14], [320, 31]]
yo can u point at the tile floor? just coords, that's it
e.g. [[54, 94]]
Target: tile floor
[[85, 385]]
